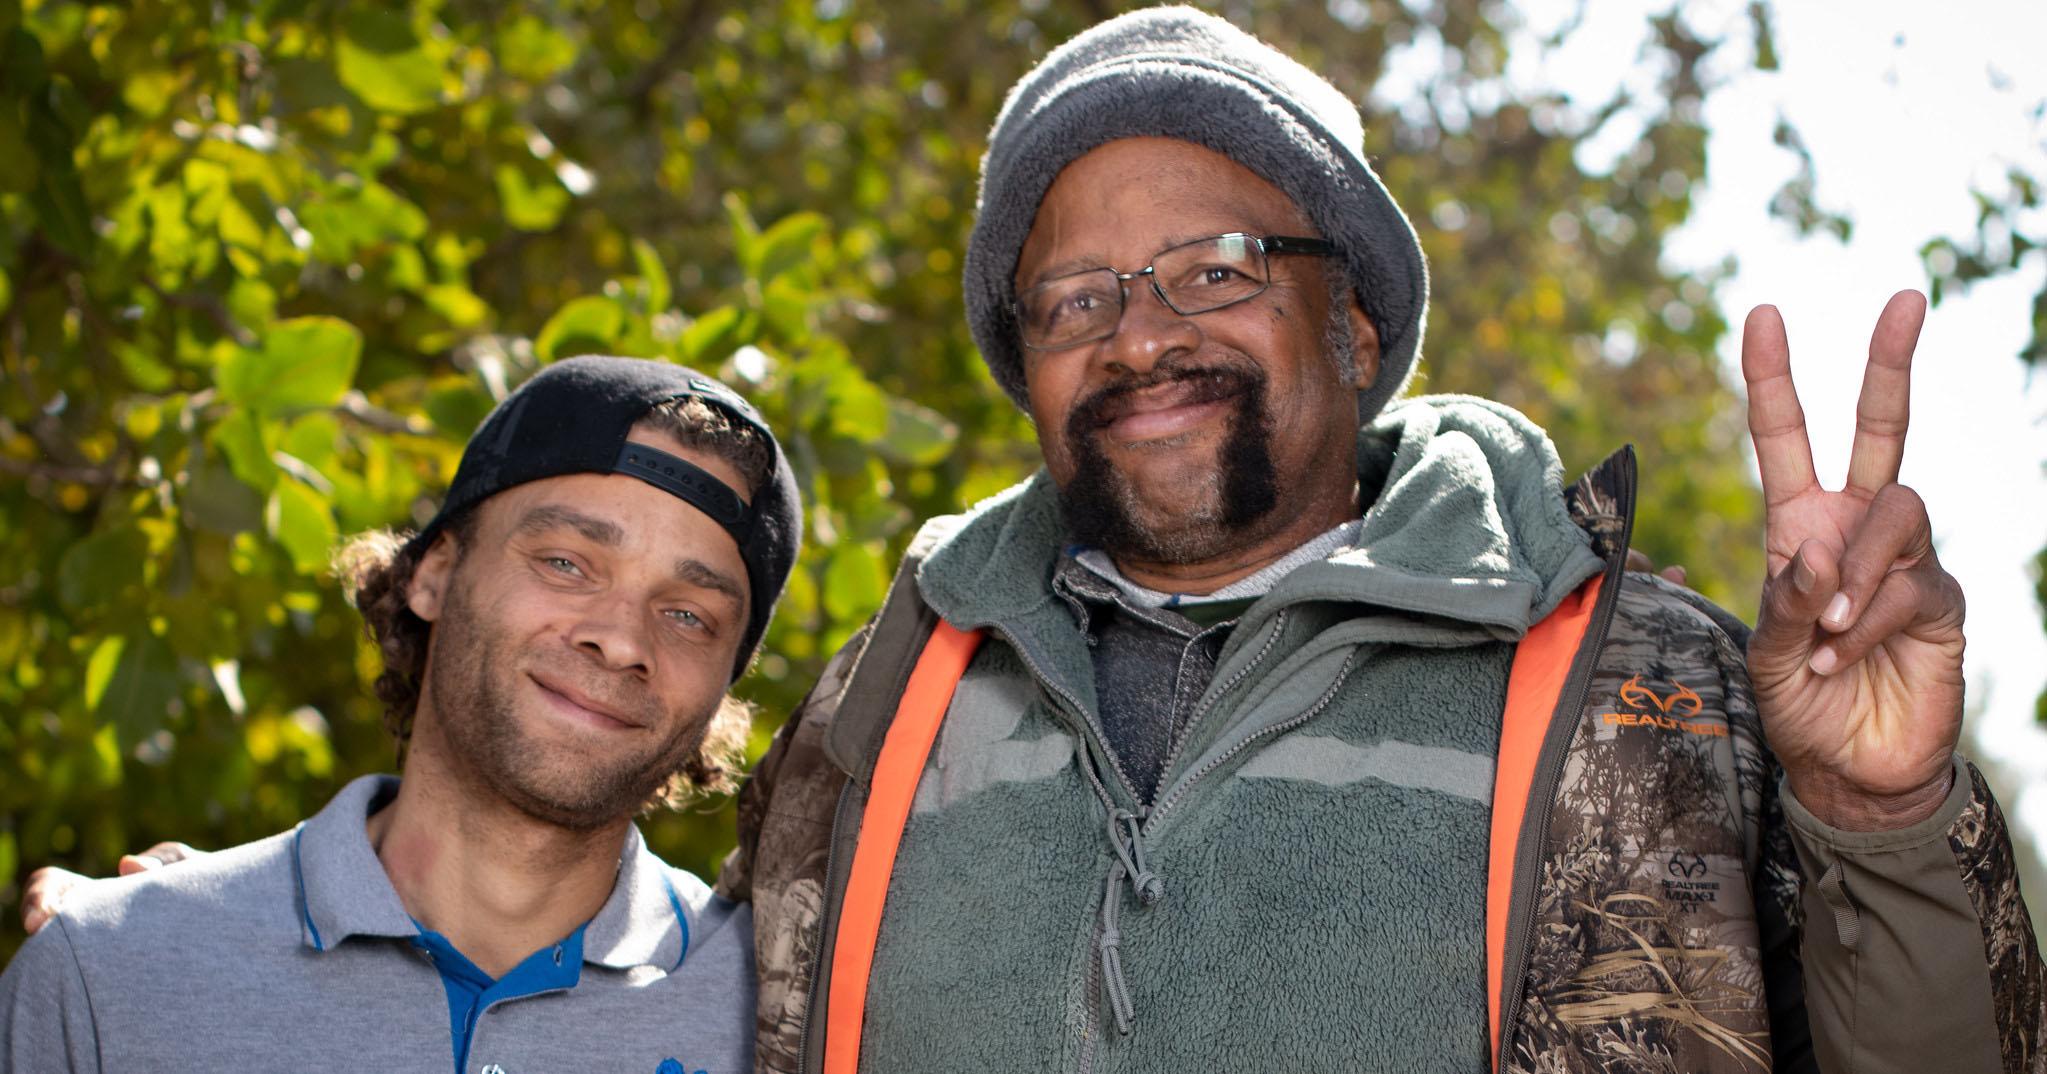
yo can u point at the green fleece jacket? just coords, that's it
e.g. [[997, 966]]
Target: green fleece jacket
[[1318, 846]]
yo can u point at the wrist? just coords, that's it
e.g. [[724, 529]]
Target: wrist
[[1835, 802]]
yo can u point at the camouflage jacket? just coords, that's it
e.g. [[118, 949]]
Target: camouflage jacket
[[1670, 909]]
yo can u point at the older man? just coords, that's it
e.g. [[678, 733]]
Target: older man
[[1243, 737], [557, 644]]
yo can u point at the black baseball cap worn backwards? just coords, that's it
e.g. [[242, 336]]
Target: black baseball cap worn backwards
[[573, 417]]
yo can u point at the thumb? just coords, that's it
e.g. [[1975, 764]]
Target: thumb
[[1790, 611]]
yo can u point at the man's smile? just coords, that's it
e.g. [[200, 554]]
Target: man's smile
[[582, 708], [1163, 409]]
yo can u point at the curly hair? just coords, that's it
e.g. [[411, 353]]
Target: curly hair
[[376, 573]]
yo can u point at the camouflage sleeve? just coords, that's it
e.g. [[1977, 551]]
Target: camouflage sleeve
[[1918, 952], [736, 873], [781, 862]]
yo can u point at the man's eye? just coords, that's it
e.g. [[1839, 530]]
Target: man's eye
[[562, 565], [1217, 276], [1074, 304], [687, 618]]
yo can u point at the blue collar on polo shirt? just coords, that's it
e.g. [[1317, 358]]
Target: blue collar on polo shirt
[[344, 892]]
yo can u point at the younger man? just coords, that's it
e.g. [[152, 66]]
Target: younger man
[[557, 644]]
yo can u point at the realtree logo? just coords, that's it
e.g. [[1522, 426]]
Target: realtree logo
[[1675, 711], [1690, 889]]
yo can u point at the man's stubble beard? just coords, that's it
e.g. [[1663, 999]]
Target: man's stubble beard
[[1219, 514], [473, 709]]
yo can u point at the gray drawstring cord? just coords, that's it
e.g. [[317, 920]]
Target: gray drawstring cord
[[1148, 889], [1144, 883]]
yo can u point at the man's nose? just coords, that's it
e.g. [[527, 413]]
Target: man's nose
[[1149, 330], [614, 632]]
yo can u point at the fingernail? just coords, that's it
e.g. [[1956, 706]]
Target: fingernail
[[1803, 576], [1823, 660], [1837, 610]]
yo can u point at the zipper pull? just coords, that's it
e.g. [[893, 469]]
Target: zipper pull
[[1144, 883]]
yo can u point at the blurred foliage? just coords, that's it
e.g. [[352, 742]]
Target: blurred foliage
[[265, 263], [2011, 233]]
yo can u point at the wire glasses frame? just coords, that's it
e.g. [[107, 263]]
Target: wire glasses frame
[[1192, 277]]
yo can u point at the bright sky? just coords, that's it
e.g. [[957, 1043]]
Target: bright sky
[[1903, 111]]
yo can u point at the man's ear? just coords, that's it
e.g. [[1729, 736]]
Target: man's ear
[[430, 578], [1364, 344]]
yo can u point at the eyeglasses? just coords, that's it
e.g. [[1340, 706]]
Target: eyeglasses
[[1193, 277]]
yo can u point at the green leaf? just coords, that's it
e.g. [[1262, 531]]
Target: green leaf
[[857, 409], [19, 165], [216, 502], [60, 209], [141, 367], [917, 435], [854, 581], [653, 273], [252, 303], [707, 338], [137, 692], [528, 205], [531, 50], [785, 307], [346, 219], [745, 234], [587, 325], [239, 438], [301, 520], [787, 244], [304, 85], [383, 61], [457, 409], [312, 439], [99, 668], [458, 304], [304, 363], [22, 66], [95, 571]]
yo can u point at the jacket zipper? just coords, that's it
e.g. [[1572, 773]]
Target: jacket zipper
[[1328, 695], [1186, 730], [1543, 787], [1091, 1006]]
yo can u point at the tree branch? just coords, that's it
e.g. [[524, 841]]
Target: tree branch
[[358, 406], [208, 306], [100, 477], [689, 27]]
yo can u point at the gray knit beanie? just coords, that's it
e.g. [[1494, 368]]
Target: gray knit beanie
[[1175, 72]]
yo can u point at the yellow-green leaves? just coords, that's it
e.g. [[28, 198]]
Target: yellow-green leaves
[[303, 363], [531, 50], [299, 518], [381, 58], [97, 571], [587, 325], [532, 198], [129, 684]]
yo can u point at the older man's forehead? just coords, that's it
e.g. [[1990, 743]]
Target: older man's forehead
[[1097, 205]]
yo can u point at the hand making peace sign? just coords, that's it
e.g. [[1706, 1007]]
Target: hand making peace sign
[[1857, 654]]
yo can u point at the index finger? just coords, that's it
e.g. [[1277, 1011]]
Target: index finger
[[1883, 410], [1776, 421]]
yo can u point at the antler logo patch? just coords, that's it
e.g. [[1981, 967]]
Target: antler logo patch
[[1643, 706]]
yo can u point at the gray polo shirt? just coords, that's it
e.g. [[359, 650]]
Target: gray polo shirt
[[294, 952]]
